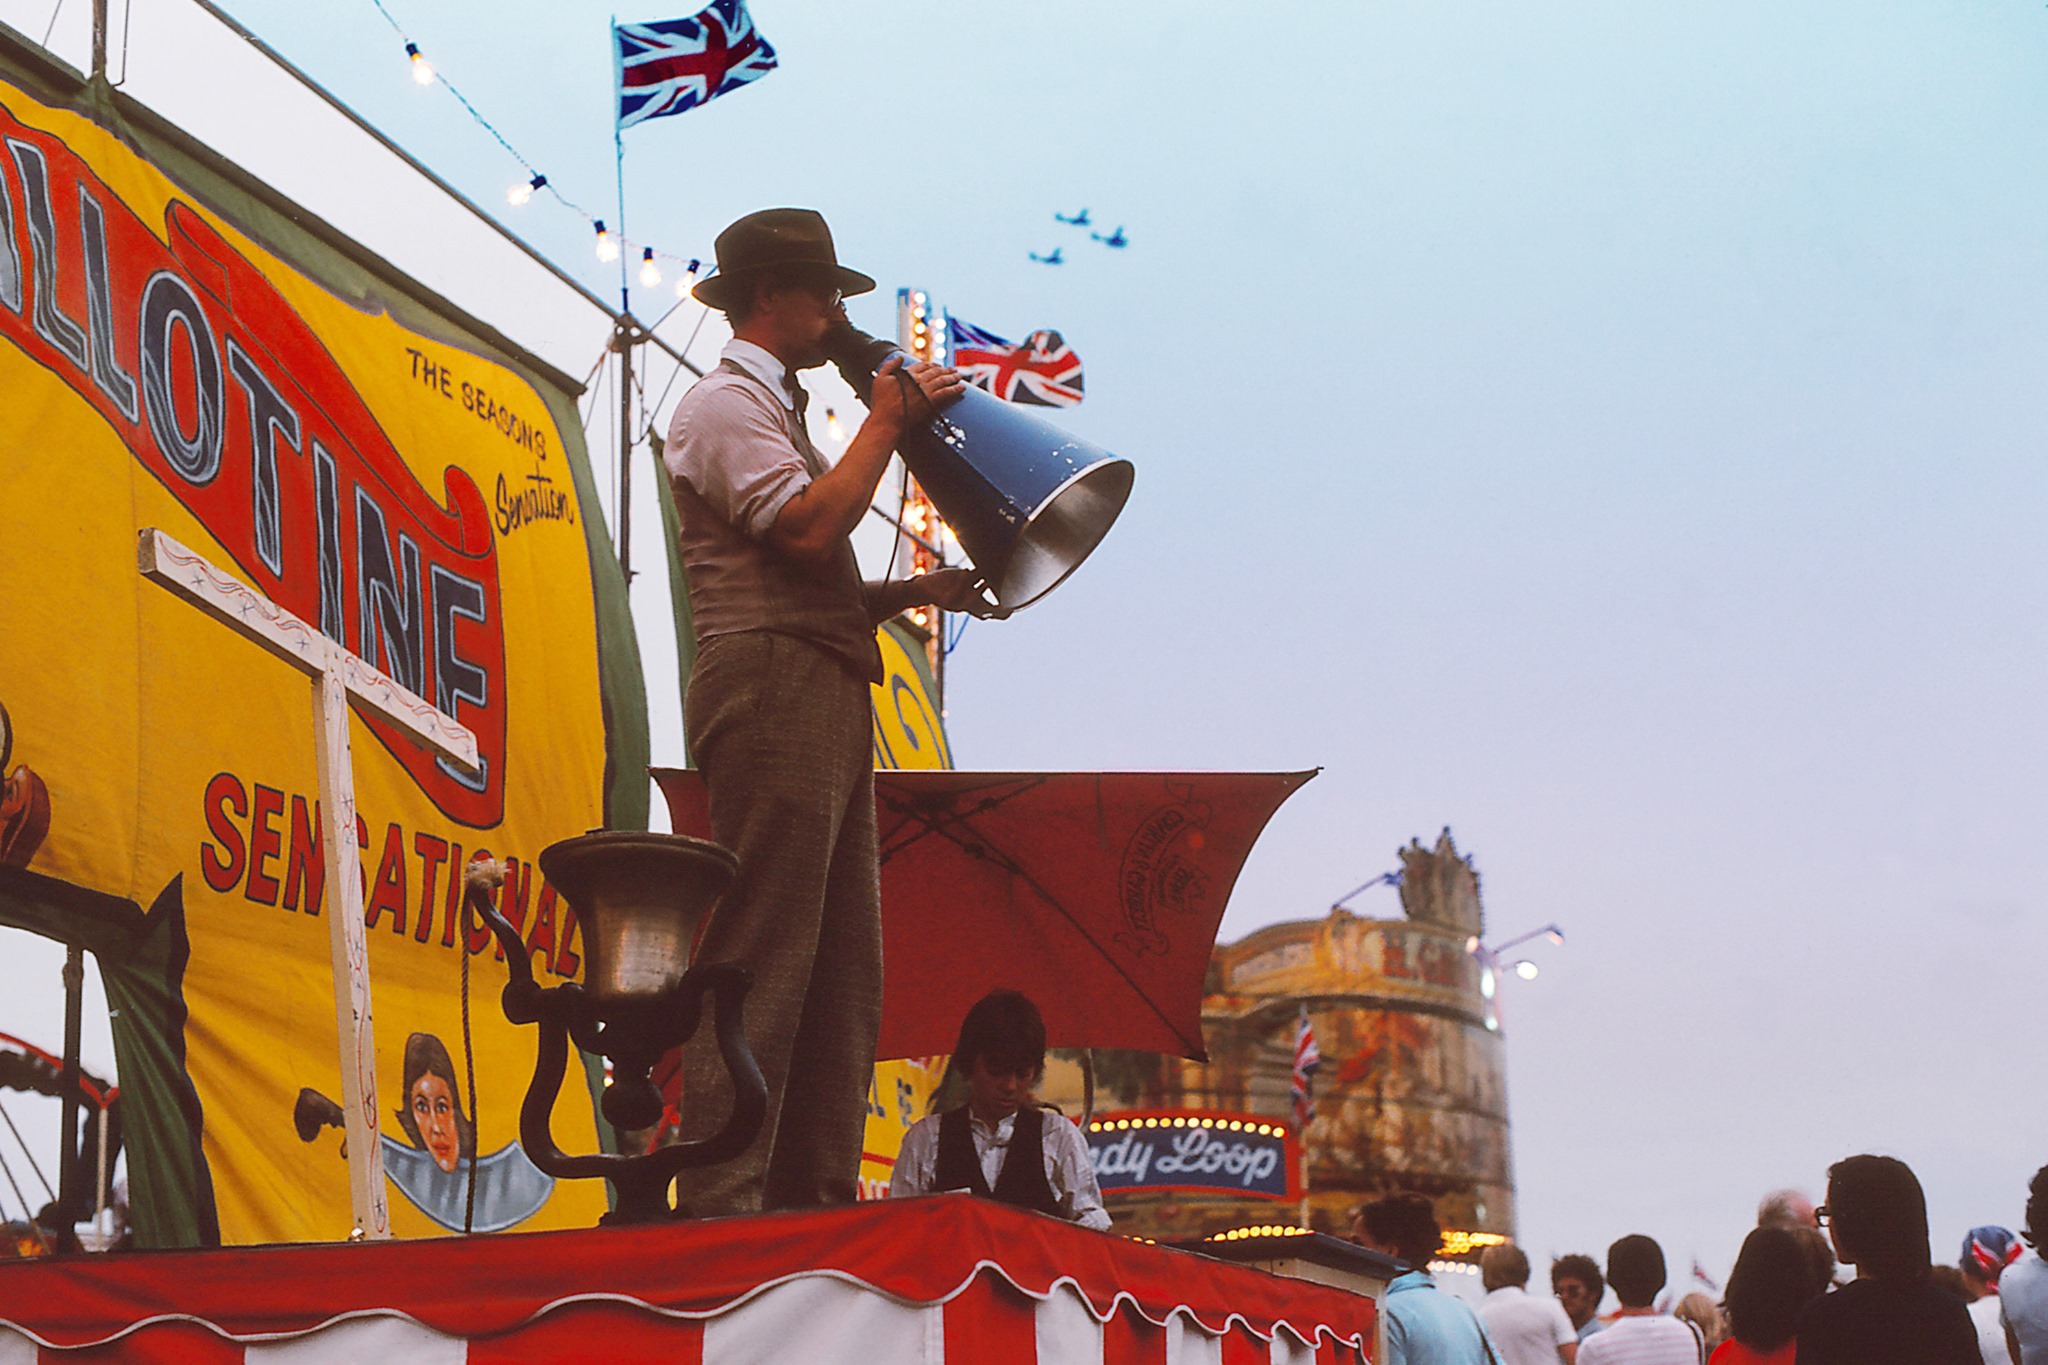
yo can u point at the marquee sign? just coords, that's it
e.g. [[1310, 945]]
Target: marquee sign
[[1247, 1156]]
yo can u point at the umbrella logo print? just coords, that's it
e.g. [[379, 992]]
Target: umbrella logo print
[[1159, 874]]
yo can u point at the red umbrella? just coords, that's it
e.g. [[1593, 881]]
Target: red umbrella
[[1096, 894]]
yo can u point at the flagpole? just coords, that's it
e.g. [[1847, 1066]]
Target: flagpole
[[624, 340], [619, 162]]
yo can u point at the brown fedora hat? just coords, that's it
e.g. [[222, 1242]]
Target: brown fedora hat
[[774, 239]]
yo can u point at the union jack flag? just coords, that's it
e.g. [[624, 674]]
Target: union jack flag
[[678, 64], [1043, 370], [1307, 1057]]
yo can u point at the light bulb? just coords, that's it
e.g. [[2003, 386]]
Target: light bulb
[[607, 249], [833, 427], [525, 190], [1526, 970], [650, 273], [421, 72], [686, 279]]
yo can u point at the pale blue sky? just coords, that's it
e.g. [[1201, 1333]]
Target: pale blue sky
[[1608, 429]]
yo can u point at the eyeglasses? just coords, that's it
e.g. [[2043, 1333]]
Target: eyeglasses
[[1820, 1215]]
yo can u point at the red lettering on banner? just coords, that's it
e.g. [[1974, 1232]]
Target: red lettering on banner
[[433, 852], [248, 831], [223, 869], [229, 399], [388, 895], [305, 873], [264, 842], [453, 905]]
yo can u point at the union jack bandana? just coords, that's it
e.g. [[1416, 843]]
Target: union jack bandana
[[1991, 1249], [1043, 370], [678, 64]]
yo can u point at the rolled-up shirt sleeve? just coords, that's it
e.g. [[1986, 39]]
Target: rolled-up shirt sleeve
[[734, 448], [1072, 1173]]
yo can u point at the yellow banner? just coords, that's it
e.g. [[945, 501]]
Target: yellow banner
[[909, 733], [406, 495]]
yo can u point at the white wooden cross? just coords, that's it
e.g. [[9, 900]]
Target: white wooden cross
[[337, 676]]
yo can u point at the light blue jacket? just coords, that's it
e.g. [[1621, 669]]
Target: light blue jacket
[[1426, 1326]]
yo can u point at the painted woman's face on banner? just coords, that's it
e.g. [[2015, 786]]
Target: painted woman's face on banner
[[433, 1109]]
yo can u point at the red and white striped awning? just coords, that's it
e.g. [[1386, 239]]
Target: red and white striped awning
[[927, 1280]]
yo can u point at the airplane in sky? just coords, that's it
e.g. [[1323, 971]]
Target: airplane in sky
[[1055, 259], [1080, 219], [1115, 239]]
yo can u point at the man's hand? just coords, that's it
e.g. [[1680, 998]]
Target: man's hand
[[904, 394], [958, 590], [946, 589]]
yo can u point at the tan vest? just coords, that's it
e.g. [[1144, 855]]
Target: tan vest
[[738, 584]]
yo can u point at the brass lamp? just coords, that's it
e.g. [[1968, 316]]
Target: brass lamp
[[639, 898]]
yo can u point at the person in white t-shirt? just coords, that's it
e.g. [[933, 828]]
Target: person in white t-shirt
[[1528, 1330], [1641, 1335], [2023, 1288]]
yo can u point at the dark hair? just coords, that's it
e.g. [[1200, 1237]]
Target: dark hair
[[1005, 1030], [427, 1055], [1771, 1282], [1880, 1217], [1820, 1257], [1635, 1267], [1577, 1266], [2037, 1212], [1407, 1223]]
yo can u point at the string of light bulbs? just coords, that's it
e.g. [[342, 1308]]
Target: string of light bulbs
[[608, 244]]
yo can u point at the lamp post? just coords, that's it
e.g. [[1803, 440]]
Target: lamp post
[[639, 898], [1489, 958]]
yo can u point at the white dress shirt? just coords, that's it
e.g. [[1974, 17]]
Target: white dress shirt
[[1068, 1169]]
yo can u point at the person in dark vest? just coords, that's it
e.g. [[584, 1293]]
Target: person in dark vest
[[1001, 1144]]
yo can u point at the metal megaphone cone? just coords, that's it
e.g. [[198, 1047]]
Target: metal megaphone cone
[[1027, 501]]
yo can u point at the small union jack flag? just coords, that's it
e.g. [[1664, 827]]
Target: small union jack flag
[[1043, 370], [678, 64], [1307, 1057]]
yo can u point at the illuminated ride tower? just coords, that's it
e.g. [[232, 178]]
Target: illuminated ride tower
[[1410, 1096]]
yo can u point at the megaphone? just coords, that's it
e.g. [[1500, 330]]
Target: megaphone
[[1027, 501]]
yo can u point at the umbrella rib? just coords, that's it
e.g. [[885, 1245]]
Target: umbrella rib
[[936, 823]]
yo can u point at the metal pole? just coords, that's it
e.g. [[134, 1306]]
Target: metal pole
[[99, 1195], [99, 40], [67, 1154], [625, 348]]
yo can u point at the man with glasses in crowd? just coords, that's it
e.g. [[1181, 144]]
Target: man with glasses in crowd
[[777, 707]]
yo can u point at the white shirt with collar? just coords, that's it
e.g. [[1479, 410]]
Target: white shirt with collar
[[1068, 1169]]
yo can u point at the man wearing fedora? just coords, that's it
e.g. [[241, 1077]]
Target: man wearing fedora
[[777, 710]]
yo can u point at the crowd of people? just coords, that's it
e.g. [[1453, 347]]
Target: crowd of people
[[1851, 1281]]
